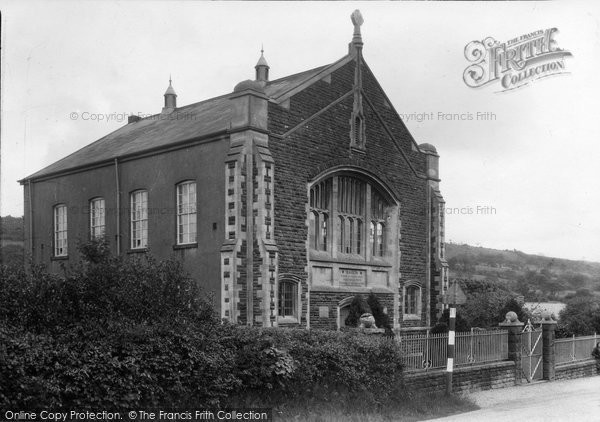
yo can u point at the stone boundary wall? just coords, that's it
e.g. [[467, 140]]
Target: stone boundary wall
[[585, 368], [465, 379]]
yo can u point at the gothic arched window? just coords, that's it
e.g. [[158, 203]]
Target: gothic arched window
[[347, 217]]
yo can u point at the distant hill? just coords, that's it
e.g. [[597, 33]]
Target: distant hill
[[11, 240], [533, 276]]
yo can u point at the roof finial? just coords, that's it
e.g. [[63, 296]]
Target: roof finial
[[357, 20], [262, 67], [170, 97]]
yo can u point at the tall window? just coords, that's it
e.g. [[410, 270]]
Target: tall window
[[97, 218], [320, 195], [351, 208], [377, 232], [412, 299], [348, 215], [186, 213], [288, 299], [139, 219], [60, 230]]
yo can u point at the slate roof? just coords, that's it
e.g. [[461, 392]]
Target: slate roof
[[185, 123]]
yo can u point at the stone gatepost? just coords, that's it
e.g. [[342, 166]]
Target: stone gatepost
[[514, 328], [548, 336]]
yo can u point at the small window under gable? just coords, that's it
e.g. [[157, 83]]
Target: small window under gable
[[358, 131]]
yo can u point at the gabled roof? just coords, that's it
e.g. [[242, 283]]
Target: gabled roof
[[194, 121]]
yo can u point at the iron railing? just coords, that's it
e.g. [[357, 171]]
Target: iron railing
[[574, 349], [429, 351]]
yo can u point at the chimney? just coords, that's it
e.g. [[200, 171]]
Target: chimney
[[132, 118]]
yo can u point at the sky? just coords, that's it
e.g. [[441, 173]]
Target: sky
[[521, 174]]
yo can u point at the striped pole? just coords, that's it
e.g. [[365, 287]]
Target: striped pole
[[451, 337]]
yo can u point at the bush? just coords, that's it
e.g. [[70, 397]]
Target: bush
[[141, 291], [580, 317], [317, 366], [124, 367], [443, 323], [382, 319], [357, 307], [127, 333]]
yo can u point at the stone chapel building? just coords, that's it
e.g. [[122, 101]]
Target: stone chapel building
[[285, 198]]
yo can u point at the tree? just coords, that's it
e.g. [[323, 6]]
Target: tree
[[513, 306], [580, 317], [443, 323]]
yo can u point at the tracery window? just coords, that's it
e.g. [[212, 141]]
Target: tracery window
[[347, 217], [350, 207]]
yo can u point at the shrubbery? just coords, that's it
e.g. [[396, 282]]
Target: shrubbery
[[119, 333], [318, 364], [581, 317], [124, 367], [141, 291]]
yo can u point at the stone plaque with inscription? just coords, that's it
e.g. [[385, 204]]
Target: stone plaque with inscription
[[352, 278]]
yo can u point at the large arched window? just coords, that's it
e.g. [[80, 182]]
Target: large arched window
[[347, 218]]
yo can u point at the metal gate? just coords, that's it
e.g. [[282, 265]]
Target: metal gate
[[531, 356]]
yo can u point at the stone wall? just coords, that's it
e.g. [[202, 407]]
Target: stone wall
[[586, 368], [465, 379]]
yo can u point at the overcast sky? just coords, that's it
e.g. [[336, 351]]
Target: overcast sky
[[534, 163]]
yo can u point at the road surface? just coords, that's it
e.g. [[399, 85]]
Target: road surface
[[571, 400]]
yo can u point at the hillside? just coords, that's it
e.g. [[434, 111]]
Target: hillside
[[535, 277]]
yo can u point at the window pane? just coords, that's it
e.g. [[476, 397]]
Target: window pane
[[60, 230], [312, 221], [139, 219], [287, 299], [323, 236], [186, 212]]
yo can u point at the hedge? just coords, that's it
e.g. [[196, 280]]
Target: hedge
[[121, 334]]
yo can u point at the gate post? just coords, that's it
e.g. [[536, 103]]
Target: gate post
[[548, 355], [514, 328]]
